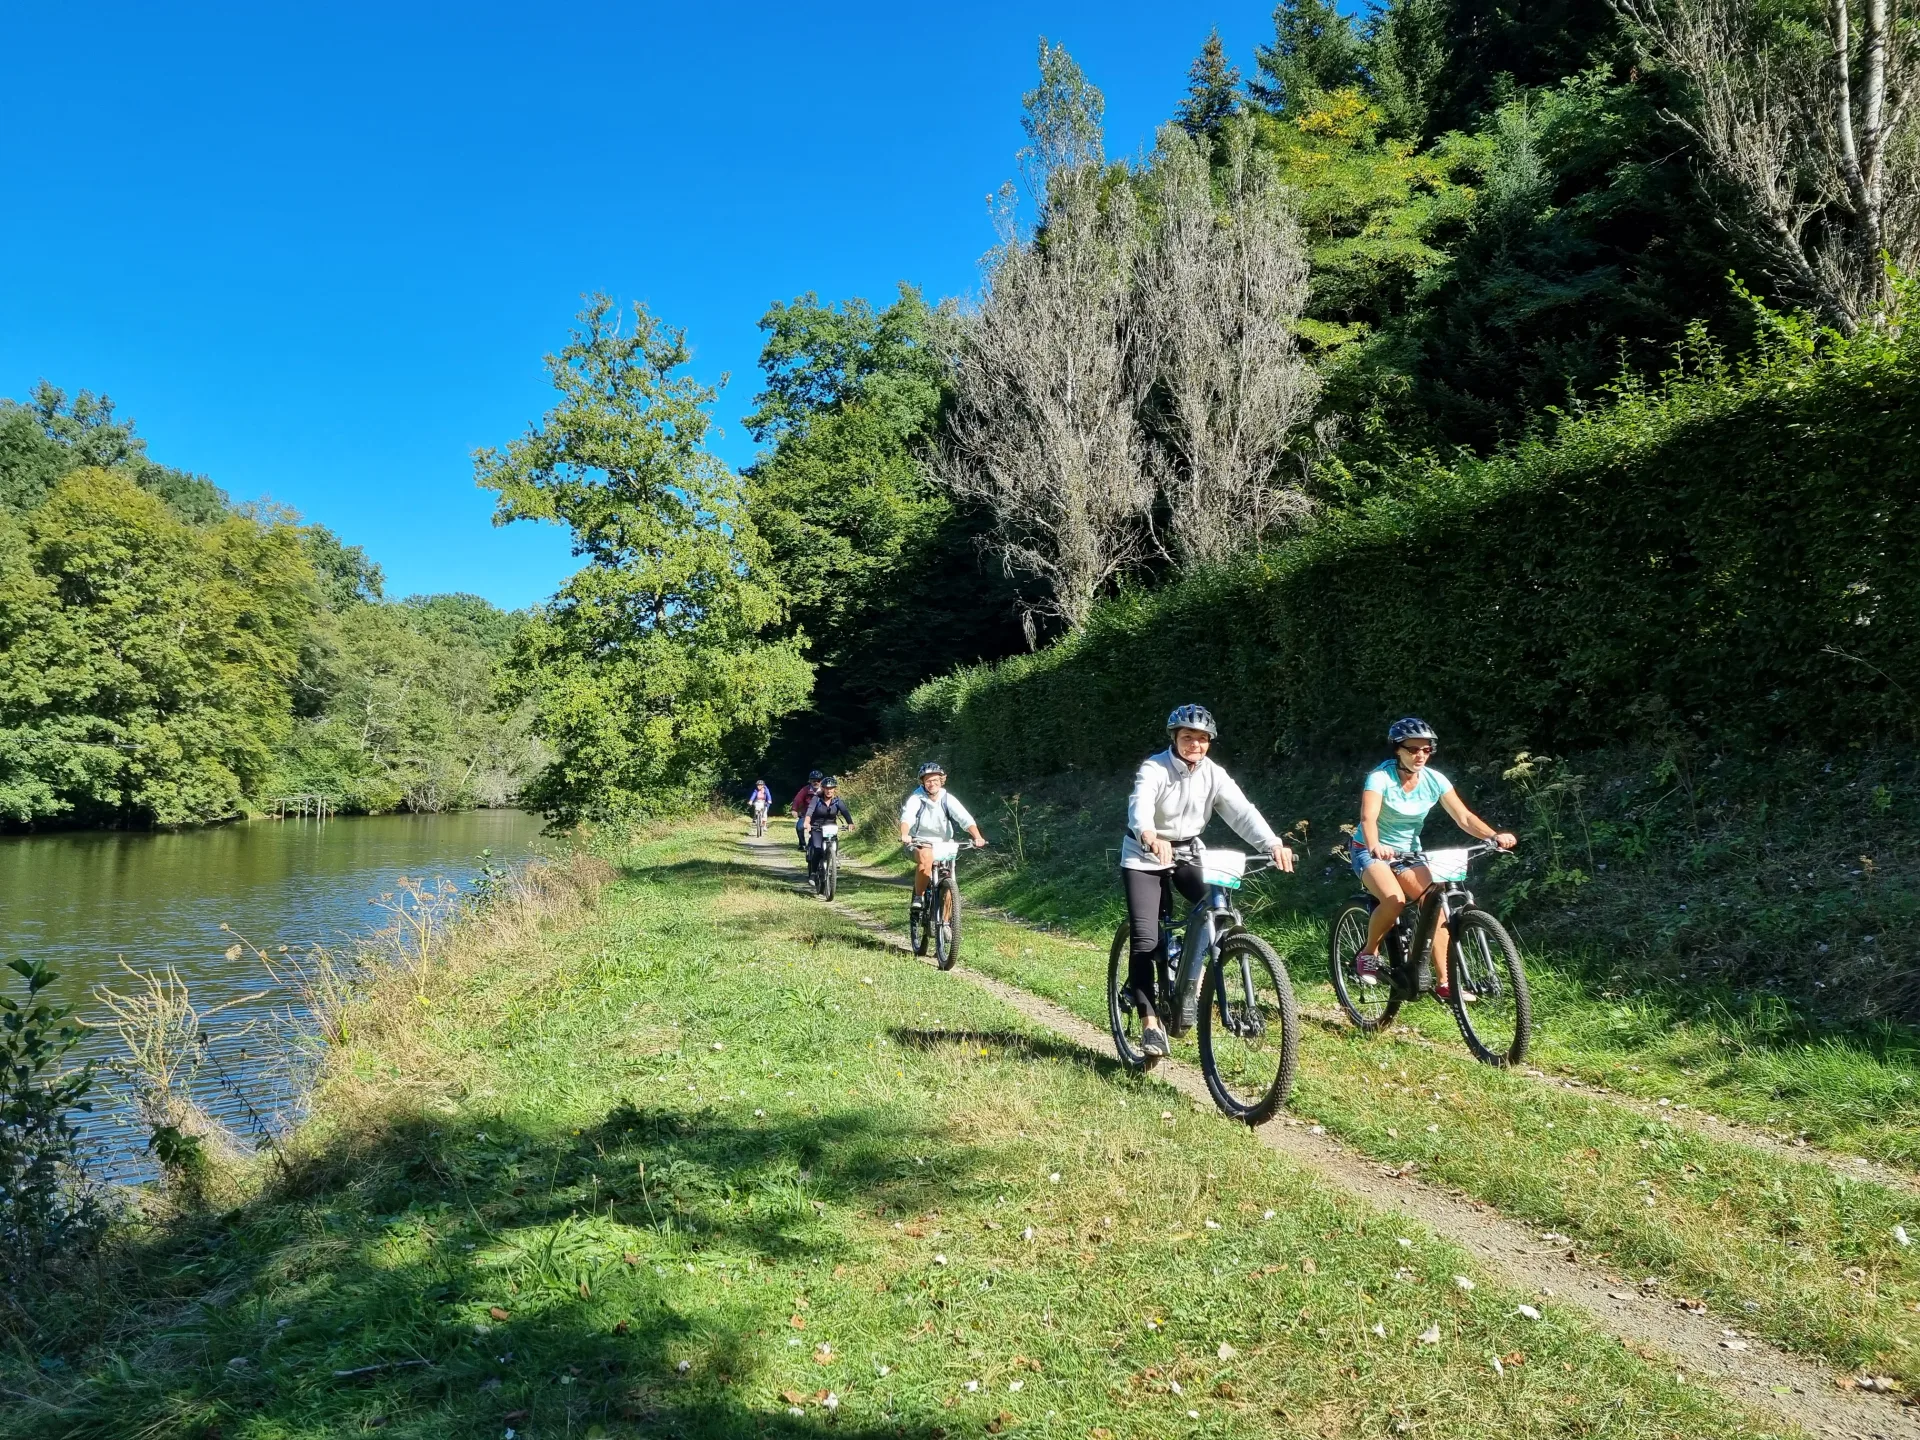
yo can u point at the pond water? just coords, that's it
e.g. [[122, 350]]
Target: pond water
[[85, 902]]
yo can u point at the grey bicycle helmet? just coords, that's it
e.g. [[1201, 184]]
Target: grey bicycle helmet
[[1411, 728], [932, 767], [813, 775], [1193, 717], [832, 782]]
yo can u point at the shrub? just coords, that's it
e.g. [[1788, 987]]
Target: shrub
[[46, 1209], [1720, 555]]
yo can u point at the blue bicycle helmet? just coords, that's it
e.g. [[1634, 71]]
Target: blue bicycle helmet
[[1411, 728], [932, 767], [1193, 717]]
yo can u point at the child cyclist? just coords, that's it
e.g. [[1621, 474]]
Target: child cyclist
[[932, 813], [1394, 803]]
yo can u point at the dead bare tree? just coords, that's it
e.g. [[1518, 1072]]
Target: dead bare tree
[[1043, 428], [1221, 287], [1808, 143]]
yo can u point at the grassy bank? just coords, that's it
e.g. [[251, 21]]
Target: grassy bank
[[1811, 1259], [713, 1163]]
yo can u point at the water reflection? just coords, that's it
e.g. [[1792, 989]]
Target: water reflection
[[83, 901]]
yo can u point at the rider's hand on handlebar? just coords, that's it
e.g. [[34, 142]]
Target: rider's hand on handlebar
[[1506, 839], [1161, 847], [1283, 857], [1385, 852]]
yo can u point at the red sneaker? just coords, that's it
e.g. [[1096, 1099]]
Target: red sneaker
[[1366, 965]]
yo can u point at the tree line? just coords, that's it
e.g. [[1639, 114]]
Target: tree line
[[1394, 244], [1398, 243], [170, 658]]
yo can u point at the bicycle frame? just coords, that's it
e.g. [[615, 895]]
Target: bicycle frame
[[1413, 972], [1210, 920]]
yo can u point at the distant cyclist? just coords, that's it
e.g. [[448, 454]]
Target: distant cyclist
[[824, 809], [759, 802], [931, 813], [801, 800], [1174, 795], [1399, 794]]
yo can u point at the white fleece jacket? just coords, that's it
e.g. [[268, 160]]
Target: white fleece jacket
[[1176, 800]]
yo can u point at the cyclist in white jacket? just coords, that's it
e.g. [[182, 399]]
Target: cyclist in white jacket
[[1174, 795], [931, 813]]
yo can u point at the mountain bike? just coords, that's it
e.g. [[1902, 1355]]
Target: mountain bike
[[823, 861], [759, 813], [1497, 1023], [1216, 973], [934, 919]]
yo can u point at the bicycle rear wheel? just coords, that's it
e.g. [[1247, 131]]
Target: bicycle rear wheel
[[829, 873], [1122, 1018], [1498, 1024], [946, 925], [1370, 1007], [1249, 1029]]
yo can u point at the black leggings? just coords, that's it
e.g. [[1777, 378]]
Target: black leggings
[[1149, 893]]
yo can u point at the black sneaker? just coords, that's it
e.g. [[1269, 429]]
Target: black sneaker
[[1154, 1041]]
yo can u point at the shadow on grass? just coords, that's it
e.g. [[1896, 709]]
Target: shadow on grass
[[473, 1276], [1031, 1047]]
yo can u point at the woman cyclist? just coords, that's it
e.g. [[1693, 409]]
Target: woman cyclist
[[932, 813], [759, 802], [1394, 803], [1174, 795]]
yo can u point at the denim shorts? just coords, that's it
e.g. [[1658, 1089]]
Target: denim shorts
[[1360, 857]]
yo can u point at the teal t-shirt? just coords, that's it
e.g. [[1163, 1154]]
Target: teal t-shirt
[[1402, 811]]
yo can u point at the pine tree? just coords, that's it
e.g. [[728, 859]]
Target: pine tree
[[1314, 50], [1212, 81]]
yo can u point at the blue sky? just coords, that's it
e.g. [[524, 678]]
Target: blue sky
[[318, 254]]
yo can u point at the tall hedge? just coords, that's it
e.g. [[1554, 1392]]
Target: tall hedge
[[1733, 552]]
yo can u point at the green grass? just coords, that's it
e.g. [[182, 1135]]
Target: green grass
[[1628, 1017], [714, 1162], [1808, 1258]]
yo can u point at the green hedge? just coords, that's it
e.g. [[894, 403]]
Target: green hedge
[[1704, 555]]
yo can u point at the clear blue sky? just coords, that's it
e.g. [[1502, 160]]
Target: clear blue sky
[[318, 252]]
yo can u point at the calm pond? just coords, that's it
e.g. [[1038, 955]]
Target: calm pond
[[85, 901]]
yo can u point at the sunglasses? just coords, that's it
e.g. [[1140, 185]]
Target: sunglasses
[[1418, 749]]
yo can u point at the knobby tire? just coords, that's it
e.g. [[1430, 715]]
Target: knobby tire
[[1482, 957], [1121, 1017], [945, 923], [1250, 1073], [1370, 1007]]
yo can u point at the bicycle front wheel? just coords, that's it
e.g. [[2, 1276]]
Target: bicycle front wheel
[[1370, 1007], [946, 925], [829, 874], [1497, 1023], [1249, 1029], [1122, 1018], [918, 931]]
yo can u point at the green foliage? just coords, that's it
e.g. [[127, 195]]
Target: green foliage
[[1212, 98], [144, 662], [46, 1211], [404, 712], [1599, 587], [50, 436], [881, 568], [653, 667], [1315, 50]]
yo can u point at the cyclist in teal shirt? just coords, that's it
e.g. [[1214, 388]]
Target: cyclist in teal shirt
[[1399, 794]]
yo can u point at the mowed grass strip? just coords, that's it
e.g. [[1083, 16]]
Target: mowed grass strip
[[717, 1163], [1792, 1252]]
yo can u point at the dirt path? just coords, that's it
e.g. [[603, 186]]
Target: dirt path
[[1758, 1374]]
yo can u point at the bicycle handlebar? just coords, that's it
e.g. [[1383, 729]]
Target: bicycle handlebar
[[917, 844]]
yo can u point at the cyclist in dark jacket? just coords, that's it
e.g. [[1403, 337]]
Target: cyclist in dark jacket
[[827, 808]]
